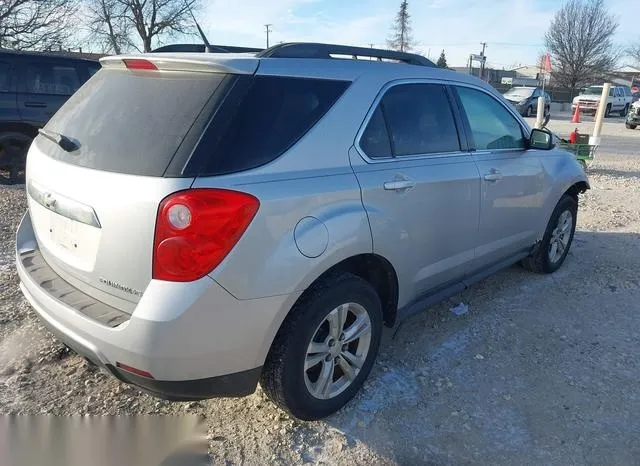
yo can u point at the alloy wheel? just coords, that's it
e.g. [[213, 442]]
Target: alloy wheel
[[337, 351], [560, 236]]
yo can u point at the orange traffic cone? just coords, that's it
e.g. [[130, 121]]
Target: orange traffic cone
[[576, 115]]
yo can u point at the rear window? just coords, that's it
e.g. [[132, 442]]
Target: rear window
[[273, 115], [132, 122]]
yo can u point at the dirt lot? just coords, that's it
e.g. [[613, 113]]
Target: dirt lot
[[542, 369]]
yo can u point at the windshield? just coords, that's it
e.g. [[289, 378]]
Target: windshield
[[594, 90], [519, 93]]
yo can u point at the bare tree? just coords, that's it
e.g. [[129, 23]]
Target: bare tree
[[580, 40], [634, 52], [401, 38], [108, 26], [153, 19], [36, 24]]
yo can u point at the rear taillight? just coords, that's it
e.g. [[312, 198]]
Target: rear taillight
[[196, 229], [139, 64]]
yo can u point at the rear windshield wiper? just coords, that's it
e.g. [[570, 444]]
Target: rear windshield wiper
[[60, 139]]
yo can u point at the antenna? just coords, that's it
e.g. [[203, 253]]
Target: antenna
[[207, 46]]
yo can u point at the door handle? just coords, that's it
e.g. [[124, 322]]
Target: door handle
[[398, 185], [495, 175], [35, 104]]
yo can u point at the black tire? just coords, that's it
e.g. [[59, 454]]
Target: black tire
[[630, 126], [607, 111], [540, 262], [283, 377], [13, 154], [624, 111]]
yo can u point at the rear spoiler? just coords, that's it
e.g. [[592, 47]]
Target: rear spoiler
[[206, 63]]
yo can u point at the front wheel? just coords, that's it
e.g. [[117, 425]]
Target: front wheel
[[557, 239], [325, 349], [630, 126]]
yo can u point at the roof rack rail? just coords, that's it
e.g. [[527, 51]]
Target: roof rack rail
[[201, 48], [318, 50]]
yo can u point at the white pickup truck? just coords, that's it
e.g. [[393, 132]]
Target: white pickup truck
[[619, 100]]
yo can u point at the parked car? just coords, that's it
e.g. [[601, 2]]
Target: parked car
[[619, 100], [33, 86], [525, 99], [261, 218], [633, 117]]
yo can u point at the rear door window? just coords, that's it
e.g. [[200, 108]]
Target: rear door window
[[272, 116], [375, 141], [419, 120], [44, 77]]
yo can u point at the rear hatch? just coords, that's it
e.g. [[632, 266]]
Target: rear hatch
[[127, 134]]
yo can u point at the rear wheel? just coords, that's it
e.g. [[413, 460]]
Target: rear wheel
[[557, 239], [325, 349], [630, 126], [13, 155], [625, 110]]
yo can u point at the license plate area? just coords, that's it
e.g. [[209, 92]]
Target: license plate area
[[63, 231]]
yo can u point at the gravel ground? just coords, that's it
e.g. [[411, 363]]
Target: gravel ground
[[542, 369]]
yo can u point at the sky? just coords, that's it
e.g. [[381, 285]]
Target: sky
[[513, 29]]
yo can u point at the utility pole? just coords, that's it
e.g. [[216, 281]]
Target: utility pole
[[267, 28], [484, 45]]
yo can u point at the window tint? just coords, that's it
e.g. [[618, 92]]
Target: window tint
[[49, 78], [5, 76], [375, 139], [492, 126], [274, 114], [420, 120], [93, 69], [132, 123]]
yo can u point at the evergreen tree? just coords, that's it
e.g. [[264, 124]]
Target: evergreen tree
[[401, 38]]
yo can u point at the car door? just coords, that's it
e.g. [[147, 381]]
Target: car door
[[46, 84], [420, 186], [513, 181], [534, 100], [8, 112], [616, 99]]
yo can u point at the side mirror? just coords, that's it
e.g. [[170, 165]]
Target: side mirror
[[540, 139]]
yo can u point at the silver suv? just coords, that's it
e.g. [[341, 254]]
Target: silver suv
[[199, 223]]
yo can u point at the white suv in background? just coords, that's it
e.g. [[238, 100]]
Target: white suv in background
[[619, 100]]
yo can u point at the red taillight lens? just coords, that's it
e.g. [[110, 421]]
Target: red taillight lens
[[139, 64], [196, 229]]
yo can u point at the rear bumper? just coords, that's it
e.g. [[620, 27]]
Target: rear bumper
[[585, 109], [195, 339]]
